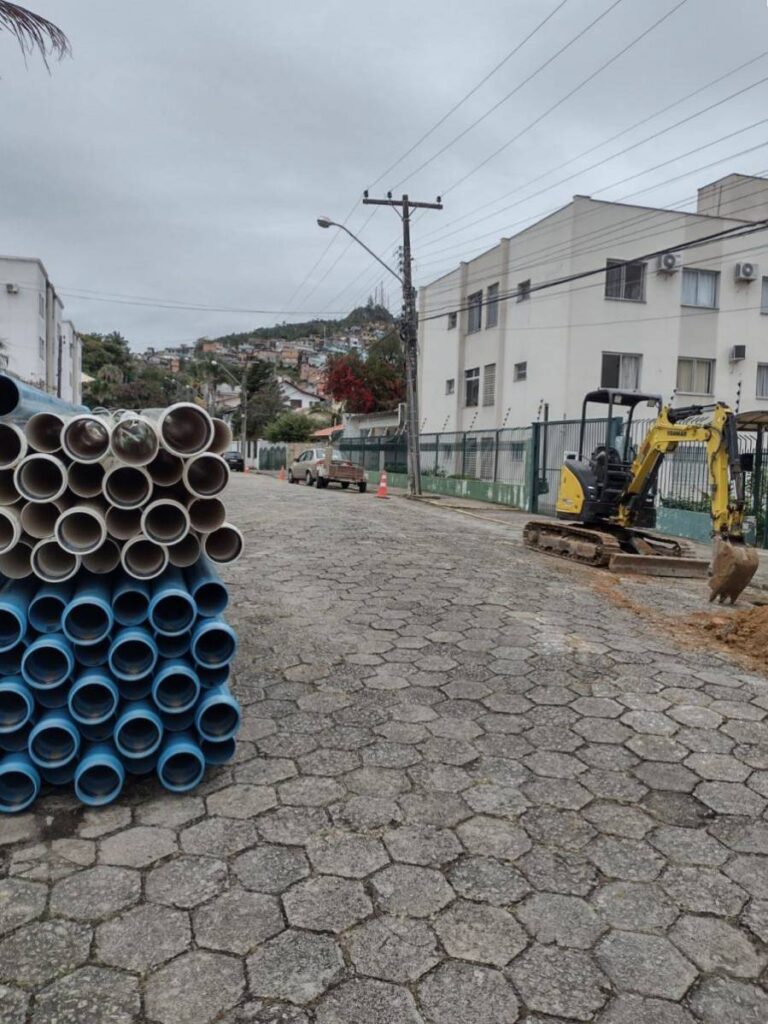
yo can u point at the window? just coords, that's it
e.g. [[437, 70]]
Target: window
[[492, 308], [40, 304], [450, 386], [764, 300], [524, 290], [762, 380], [295, 403], [489, 384], [625, 281], [474, 312], [472, 386], [520, 371], [620, 371], [695, 376], [452, 319], [517, 451], [700, 288]]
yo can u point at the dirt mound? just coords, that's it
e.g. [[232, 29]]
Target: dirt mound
[[744, 632]]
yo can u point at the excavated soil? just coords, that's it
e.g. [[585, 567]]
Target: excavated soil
[[744, 632]]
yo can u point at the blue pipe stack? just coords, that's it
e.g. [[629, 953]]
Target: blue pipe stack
[[119, 672]]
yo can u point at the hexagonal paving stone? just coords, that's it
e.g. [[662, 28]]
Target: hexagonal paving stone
[[703, 891], [488, 881], [751, 873], [187, 881], [564, 920], [458, 993], [422, 844], [310, 791], [241, 801], [296, 966], [715, 945], [350, 856], [493, 837], [689, 846], [566, 873], [487, 935], [292, 826], [143, 937], [561, 982], [375, 1002], [94, 994], [366, 812], [554, 827], [219, 837], [103, 820], [647, 964], [137, 847], [96, 892], [13, 1005], [170, 810], [39, 952], [20, 902], [730, 798], [237, 921], [443, 810], [393, 949], [415, 891], [640, 1010], [718, 767], [615, 819], [725, 1001], [558, 793], [194, 989], [635, 905], [629, 859], [271, 869], [326, 904], [755, 917]]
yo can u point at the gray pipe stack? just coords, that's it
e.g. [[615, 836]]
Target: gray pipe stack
[[114, 656]]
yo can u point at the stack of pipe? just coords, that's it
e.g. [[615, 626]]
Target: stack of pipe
[[114, 653]]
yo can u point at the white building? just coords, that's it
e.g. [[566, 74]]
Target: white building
[[297, 398], [38, 344], [694, 325]]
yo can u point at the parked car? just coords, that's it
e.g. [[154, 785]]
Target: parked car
[[234, 460], [323, 466]]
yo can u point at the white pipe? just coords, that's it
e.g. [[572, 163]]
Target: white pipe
[[9, 494], [43, 431], [103, 560], [81, 529], [10, 528], [185, 429], [206, 475], [126, 486], [134, 440], [16, 563], [165, 469], [222, 437], [185, 552], [39, 520], [86, 479], [13, 445], [165, 521], [143, 559], [206, 514], [40, 478], [52, 563], [123, 523], [86, 438], [223, 545]]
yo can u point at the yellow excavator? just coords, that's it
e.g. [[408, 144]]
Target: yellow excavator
[[606, 502]]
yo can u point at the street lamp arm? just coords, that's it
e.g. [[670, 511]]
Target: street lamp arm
[[325, 223]]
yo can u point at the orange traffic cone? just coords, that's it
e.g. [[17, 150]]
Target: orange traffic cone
[[281, 474], [382, 491]]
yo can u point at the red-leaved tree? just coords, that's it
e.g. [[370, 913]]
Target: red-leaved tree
[[368, 385]]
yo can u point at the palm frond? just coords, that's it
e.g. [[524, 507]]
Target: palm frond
[[33, 32]]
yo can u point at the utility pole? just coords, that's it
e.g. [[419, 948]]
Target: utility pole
[[244, 414], [409, 332]]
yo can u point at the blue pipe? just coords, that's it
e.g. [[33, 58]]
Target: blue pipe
[[130, 601], [10, 661], [61, 776], [54, 741], [48, 662], [175, 687], [179, 720], [212, 676], [98, 733], [181, 764], [47, 606], [54, 696], [21, 401], [100, 776], [133, 653], [17, 704], [88, 617], [173, 646], [205, 586], [93, 698], [93, 655], [218, 753], [214, 643], [18, 740], [138, 730], [172, 609], [140, 765], [14, 605], [19, 783], [218, 715]]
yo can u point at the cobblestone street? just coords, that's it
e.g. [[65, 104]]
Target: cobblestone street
[[469, 789]]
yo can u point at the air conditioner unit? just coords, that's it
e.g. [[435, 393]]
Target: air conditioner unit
[[12, 289], [738, 352], [669, 262], [747, 271]]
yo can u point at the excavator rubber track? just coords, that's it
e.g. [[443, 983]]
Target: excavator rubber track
[[616, 548]]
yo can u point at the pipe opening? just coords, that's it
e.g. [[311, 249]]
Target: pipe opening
[[9, 494], [92, 702], [181, 769], [173, 646], [218, 751], [14, 710], [80, 532], [13, 445], [176, 691], [207, 514], [8, 533], [17, 789], [99, 782], [166, 468], [214, 647], [130, 607], [127, 486], [123, 523], [86, 479], [16, 564], [218, 720], [134, 441], [47, 667], [93, 655], [10, 661], [53, 745], [83, 622], [224, 545], [138, 736], [186, 429], [206, 475], [184, 552], [86, 438], [9, 395], [39, 519], [173, 613], [40, 478], [43, 432], [104, 559], [52, 563], [165, 522], [11, 628], [212, 676], [212, 598], [222, 437], [45, 613], [133, 657], [144, 559]]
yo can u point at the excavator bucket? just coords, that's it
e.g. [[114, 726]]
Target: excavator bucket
[[733, 566]]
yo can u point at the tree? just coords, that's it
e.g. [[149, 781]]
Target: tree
[[33, 32], [100, 350], [290, 426], [376, 383]]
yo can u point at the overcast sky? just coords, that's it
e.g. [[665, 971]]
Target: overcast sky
[[182, 155]]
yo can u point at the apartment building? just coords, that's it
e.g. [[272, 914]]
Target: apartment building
[[691, 325], [38, 344]]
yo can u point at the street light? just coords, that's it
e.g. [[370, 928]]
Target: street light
[[408, 335], [243, 404]]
